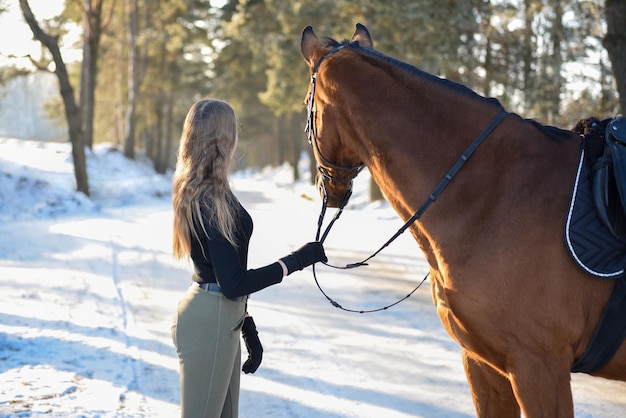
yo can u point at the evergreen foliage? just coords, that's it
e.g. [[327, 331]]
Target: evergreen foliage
[[544, 59]]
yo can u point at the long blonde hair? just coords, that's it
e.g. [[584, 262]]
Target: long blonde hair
[[201, 178]]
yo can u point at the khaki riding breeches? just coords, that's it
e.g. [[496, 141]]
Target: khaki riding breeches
[[206, 332]]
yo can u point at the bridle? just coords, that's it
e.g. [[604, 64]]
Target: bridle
[[324, 167], [355, 170]]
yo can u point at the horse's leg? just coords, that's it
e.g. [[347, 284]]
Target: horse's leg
[[491, 391], [542, 386]]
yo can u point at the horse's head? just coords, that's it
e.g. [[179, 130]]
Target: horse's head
[[337, 162]]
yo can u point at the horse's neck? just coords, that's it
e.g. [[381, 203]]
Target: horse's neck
[[416, 147]]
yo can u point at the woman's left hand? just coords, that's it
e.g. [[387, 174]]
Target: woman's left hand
[[253, 344]]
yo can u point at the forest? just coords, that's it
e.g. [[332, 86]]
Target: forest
[[146, 61]]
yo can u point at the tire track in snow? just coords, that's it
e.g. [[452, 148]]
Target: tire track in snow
[[128, 324]]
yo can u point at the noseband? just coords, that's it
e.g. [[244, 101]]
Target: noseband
[[325, 166]]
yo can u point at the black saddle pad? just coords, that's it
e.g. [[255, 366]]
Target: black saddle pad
[[590, 243]]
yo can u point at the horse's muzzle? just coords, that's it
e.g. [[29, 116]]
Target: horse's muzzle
[[336, 195]]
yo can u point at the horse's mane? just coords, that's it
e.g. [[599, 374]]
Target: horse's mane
[[551, 131], [411, 69]]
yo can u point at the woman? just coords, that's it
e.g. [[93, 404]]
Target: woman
[[213, 229]]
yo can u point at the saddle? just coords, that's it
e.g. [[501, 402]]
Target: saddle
[[609, 172], [598, 241]]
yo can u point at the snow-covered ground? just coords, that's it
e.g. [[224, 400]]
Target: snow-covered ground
[[88, 288]]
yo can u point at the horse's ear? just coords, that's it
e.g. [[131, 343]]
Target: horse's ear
[[309, 44], [362, 36]]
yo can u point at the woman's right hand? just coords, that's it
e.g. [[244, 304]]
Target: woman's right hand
[[304, 256]]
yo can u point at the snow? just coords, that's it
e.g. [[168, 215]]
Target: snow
[[88, 287]]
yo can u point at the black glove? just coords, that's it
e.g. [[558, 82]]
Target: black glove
[[255, 349], [304, 256]]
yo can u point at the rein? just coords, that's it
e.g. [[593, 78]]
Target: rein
[[309, 129]]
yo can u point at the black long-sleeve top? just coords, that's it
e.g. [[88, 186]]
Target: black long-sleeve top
[[216, 260]]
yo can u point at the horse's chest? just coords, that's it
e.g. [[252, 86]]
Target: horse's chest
[[458, 315], [451, 322]]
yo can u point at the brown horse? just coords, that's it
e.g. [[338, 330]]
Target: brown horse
[[505, 287]]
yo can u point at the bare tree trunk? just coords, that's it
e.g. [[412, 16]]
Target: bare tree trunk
[[120, 108], [165, 134], [168, 160], [133, 78], [283, 141], [296, 143], [91, 42], [147, 137], [557, 61], [528, 47], [615, 44], [72, 111], [375, 193], [488, 69], [158, 106]]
